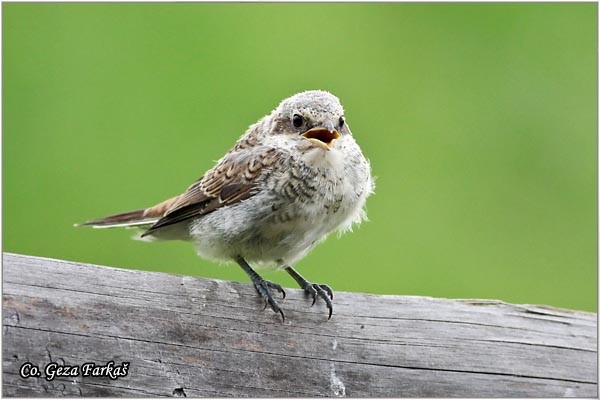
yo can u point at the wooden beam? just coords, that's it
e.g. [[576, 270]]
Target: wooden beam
[[188, 336]]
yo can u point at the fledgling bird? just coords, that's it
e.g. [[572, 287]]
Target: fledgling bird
[[294, 177]]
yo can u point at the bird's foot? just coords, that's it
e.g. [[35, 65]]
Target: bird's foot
[[313, 289], [263, 287], [317, 290]]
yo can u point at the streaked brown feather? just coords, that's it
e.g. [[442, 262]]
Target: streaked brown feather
[[121, 218], [231, 181], [161, 209]]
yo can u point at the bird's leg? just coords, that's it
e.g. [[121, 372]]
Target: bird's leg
[[313, 289], [263, 287]]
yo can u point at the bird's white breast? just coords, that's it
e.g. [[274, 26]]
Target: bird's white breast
[[296, 207]]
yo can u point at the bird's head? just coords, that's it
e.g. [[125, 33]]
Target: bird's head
[[311, 120]]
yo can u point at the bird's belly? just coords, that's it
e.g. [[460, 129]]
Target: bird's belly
[[294, 228], [280, 225], [262, 235]]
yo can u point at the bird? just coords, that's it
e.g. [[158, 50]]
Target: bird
[[291, 179]]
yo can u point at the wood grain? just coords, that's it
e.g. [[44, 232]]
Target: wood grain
[[194, 337]]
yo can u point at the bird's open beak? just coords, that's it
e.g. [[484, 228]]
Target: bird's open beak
[[321, 137]]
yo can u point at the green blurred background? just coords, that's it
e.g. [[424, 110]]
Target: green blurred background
[[479, 121]]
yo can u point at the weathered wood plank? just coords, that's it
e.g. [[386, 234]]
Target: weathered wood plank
[[198, 337]]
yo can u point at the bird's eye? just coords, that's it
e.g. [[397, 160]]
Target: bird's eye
[[342, 121], [297, 120]]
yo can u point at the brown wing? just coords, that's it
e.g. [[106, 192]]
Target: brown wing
[[232, 180]]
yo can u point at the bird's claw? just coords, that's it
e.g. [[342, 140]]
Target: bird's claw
[[322, 291], [277, 287], [263, 288]]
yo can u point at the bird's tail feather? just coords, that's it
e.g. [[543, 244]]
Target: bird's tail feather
[[126, 219]]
